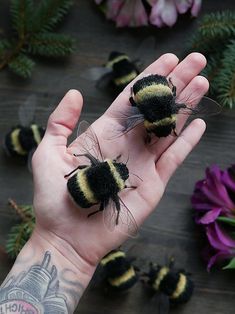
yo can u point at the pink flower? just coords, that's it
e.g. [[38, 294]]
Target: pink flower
[[162, 12]]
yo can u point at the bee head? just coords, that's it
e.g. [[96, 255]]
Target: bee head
[[122, 170]]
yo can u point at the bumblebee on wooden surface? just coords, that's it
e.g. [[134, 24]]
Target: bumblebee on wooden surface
[[120, 274], [155, 105], [120, 68], [171, 285], [100, 182], [21, 140]]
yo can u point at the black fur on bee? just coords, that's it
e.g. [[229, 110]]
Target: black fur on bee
[[23, 139], [154, 96], [120, 274], [123, 69], [98, 183], [176, 284]]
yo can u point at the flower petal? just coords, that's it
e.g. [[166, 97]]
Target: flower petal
[[228, 178], [209, 217], [196, 7], [218, 257], [218, 238], [183, 5], [169, 14]]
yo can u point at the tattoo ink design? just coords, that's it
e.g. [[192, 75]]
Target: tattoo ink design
[[34, 291]]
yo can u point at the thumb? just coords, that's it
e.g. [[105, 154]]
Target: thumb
[[64, 118]]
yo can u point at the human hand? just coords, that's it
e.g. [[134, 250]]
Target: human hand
[[58, 219]]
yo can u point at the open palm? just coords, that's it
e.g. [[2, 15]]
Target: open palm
[[57, 216]]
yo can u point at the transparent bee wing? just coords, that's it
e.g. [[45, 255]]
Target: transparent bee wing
[[27, 110], [87, 141], [145, 52], [158, 304], [126, 222], [125, 122], [96, 73], [204, 108]]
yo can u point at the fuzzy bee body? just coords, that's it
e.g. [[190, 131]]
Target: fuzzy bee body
[[123, 69], [120, 274], [154, 104], [155, 100], [175, 284], [21, 140], [98, 183]]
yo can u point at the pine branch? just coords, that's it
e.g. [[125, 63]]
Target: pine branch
[[21, 16], [218, 25], [20, 233], [22, 65], [50, 13], [225, 81], [33, 26], [214, 64], [51, 45]]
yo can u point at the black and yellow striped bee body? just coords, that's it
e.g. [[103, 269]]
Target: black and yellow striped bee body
[[123, 69], [21, 140], [155, 100], [98, 183], [120, 274], [175, 284]]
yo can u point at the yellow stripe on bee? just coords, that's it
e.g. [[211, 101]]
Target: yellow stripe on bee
[[125, 79], [162, 273], [84, 186], [116, 282], [180, 287], [16, 143], [162, 122], [151, 90], [110, 63], [120, 182], [111, 257], [36, 133]]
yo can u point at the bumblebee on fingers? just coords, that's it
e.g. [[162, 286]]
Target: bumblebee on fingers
[[155, 105], [100, 182]]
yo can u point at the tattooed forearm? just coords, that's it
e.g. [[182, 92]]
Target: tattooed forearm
[[40, 289]]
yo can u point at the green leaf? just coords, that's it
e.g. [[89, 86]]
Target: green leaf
[[51, 45], [22, 65], [4, 46], [49, 13], [231, 264], [227, 220]]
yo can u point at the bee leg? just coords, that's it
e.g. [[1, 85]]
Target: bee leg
[[131, 100], [92, 159], [79, 167], [96, 211], [130, 187], [175, 133], [173, 87]]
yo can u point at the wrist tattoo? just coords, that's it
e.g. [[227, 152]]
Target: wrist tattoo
[[37, 290]]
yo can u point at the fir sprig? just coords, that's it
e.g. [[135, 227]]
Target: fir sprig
[[20, 233], [33, 26], [215, 37]]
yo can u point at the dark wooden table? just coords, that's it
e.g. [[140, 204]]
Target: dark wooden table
[[170, 230]]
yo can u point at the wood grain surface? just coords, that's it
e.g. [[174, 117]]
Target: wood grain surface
[[170, 230]]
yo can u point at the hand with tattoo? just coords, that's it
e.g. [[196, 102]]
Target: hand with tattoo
[[75, 242]]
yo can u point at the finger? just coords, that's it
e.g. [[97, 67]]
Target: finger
[[63, 119], [173, 157], [162, 66], [186, 70], [198, 87]]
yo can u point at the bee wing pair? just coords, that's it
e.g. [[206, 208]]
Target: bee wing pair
[[89, 144]]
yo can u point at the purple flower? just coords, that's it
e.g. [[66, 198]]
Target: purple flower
[[213, 201], [162, 12]]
